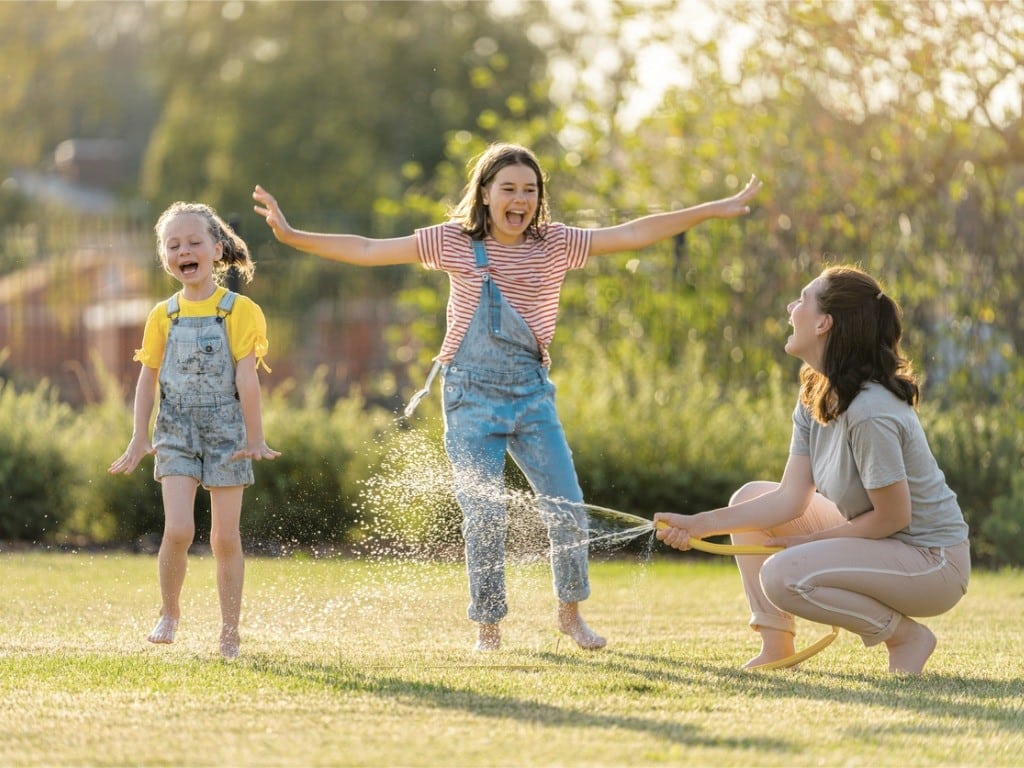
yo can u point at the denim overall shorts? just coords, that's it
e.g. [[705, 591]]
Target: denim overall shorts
[[199, 423], [497, 398]]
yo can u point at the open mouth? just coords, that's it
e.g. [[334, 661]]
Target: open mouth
[[515, 218], [189, 267]]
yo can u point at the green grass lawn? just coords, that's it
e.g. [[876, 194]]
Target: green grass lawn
[[369, 664]]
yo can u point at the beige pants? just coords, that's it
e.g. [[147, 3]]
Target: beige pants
[[865, 586]]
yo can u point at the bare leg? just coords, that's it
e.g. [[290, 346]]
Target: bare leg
[[775, 644], [572, 624], [226, 542], [488, 637], [910, 647], [179, 495]]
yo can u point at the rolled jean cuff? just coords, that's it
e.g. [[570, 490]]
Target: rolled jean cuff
[[574, 595], [760, 620]]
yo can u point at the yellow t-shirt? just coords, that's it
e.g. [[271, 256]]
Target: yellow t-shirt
[[246, 328]]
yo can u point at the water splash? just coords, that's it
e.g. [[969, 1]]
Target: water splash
[[408, 509]]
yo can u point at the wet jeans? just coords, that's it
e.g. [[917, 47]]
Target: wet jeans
[[497, 400]]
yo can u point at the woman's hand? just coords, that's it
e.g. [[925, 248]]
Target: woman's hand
[[673, 529]]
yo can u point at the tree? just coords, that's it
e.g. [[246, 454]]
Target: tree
[[71, 70]]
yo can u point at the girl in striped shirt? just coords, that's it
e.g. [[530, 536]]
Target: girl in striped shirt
[[506, 262]]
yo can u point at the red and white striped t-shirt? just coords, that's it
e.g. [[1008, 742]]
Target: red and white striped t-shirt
[[529, 275]]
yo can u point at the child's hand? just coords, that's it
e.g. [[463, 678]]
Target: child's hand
[[259, 451], [133, 454], [271, 212], [738, 204]]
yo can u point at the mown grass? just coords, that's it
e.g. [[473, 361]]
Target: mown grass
[[367, 663]]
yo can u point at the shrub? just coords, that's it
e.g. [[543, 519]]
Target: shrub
[[1002, 532], [109, 509], [981, 451], [35, 476], [648, 437], [310, 493]]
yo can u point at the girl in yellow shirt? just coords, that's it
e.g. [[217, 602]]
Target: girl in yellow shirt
[[201, 350]]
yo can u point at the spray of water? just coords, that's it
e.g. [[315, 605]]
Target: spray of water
[[408, 509], [409, 546]]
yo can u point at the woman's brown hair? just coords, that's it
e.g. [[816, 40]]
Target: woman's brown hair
[[863, 345]]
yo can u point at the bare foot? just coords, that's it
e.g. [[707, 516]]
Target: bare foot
[[229, 642], [910, 647], [163, 632], [572, 624], [488, 638], [776, 644]]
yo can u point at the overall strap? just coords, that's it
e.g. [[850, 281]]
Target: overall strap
[[495, 309], [227, 303], [481, 262], [224, 307], [481, 254]]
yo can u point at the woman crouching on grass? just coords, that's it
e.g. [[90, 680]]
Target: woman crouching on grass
[[872, 534]]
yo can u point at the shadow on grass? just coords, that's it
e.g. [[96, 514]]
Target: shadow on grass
[[932, 695], [346, 680]]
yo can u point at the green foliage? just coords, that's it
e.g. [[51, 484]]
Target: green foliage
[[309, 495], [72, 71], [651, 436], [114, 509], [876, 128], [34, 473], [1003, 530], [981, 451]]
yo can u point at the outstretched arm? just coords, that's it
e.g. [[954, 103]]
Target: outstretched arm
[[639, 233], [786, 502], [350, 249]]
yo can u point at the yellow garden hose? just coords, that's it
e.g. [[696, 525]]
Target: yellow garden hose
[[756, 549]]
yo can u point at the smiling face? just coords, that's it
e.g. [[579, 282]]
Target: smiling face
[[810, 326], [189, 252], [511, 198]]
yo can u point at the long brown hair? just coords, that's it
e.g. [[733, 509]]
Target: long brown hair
[[863, 345], [471, 212]]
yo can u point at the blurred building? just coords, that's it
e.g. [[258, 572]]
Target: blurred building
[[77, 284]]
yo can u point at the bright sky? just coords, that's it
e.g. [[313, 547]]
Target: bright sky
[[659, 66]]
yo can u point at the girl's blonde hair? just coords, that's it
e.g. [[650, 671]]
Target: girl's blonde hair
[[234, 251]]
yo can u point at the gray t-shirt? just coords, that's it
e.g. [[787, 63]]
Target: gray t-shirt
[[879, 441]]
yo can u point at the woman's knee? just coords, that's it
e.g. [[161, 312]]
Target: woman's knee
[[777, 580], [752, 490]]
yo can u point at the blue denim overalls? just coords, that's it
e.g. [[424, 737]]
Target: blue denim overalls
[[497, 397], [199, 424]]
